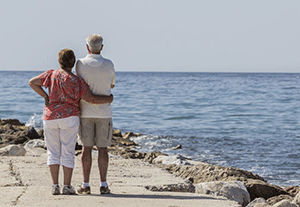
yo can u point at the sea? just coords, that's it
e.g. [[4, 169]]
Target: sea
[[246, 120]]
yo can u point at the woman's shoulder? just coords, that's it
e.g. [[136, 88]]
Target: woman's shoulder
[[46, 73], [75, 78], [50, 71]]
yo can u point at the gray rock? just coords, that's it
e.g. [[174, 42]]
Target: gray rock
[[172, 160], [177, 147], [13, 150], [204, 172], [117, 133], [35, 147], [31, 133], [258, 188], [127, 135], [182, 187], [123, 142], [35, 143], [276, 199], [41, 133], [297, 199], [12, 122], [14, 132], [35, 152], [293, 190], [258, 202], [285, 203], [233, 190], [150, 156]]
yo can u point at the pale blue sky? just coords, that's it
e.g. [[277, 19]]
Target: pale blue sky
[[155, 35]]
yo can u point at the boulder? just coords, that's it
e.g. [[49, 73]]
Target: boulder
[[36, 152], [258, 189], [150, 156], [258, 202], [35, 143], [14, 132], [297, 199], [203, 172], [260, 205], [293, 190], [126, 152], [41, 133], [6, 129], [132, 154], [127, 135], [177, 147], [78, 146], [13, 150], [199, 172], [276, 199], [117, 133], [31, 133], [181, 187], [170, 160], [124, 142], [8, 139], [285, 203], [11, 121], [233, 190], [28, 132]]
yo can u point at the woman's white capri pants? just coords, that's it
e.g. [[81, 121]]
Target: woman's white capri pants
[[60, 137]]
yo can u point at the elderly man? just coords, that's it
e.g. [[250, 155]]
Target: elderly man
[[96, 120]]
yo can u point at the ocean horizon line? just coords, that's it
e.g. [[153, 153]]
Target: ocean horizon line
[[205, 72]]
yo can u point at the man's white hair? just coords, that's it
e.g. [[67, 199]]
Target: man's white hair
[[94, 42]]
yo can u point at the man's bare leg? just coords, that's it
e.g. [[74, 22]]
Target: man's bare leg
[[86, 161], [102, 162], [103, 166]]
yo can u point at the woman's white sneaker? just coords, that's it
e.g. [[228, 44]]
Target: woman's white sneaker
[[55, 190], [68, 190]]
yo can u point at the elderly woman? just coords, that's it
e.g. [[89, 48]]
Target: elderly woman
[[61, 115]]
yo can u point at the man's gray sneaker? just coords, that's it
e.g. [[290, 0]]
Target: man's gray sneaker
[[86, 190], [104, 190]]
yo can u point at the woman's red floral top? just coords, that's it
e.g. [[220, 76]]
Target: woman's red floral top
[[65, 92]]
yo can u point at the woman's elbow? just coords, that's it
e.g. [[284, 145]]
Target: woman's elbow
[[35, 81], [30, 82]]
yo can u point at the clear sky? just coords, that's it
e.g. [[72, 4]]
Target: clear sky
[[155, 35]]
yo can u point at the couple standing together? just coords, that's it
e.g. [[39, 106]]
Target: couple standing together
[[72, 107]]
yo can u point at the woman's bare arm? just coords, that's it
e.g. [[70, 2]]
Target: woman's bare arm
[[36, 84]]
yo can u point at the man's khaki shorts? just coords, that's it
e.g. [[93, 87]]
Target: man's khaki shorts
[[95, 131]]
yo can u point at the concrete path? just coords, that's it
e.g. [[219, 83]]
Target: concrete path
[[25, 181]]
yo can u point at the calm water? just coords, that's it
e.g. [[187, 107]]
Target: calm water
[[249, 121]]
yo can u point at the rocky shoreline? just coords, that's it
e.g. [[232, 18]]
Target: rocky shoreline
[[244, 187]]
